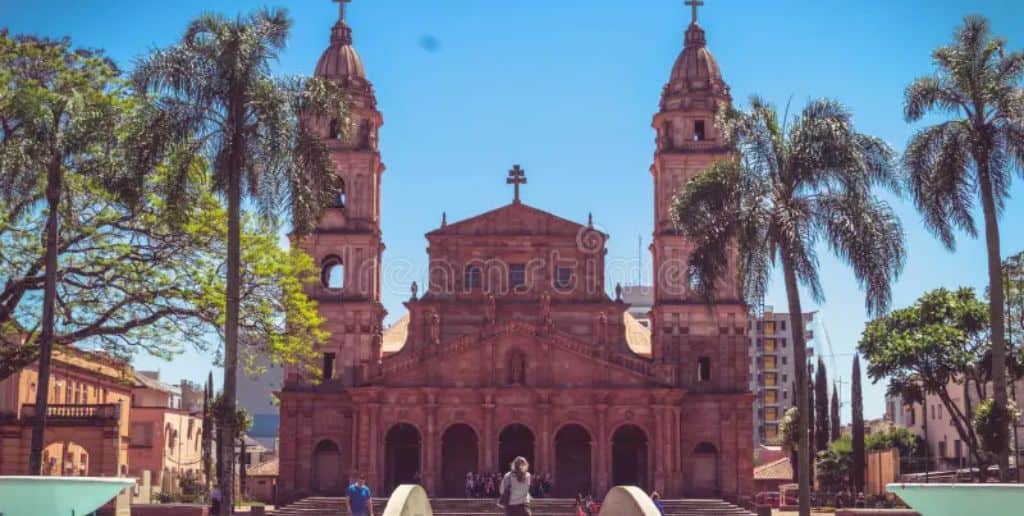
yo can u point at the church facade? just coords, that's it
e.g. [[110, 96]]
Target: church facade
[[515, 346]]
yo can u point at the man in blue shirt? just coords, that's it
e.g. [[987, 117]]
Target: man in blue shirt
[[359, 498]]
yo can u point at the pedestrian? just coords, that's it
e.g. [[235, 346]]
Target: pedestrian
[[657, 503], [215, 497], [469, 485], [360, 502], [515, 489]]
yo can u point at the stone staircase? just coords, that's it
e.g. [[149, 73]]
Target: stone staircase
[[335, 506]]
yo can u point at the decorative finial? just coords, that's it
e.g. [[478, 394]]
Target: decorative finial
[[444, 219], [516, 177], [590, 220], [694, 4], [414, 288], [341, 34], [618, 292]]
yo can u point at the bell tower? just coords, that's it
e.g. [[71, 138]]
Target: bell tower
[[346, 243], [687, 142]]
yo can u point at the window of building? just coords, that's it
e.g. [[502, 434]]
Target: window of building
[[473, 277], [771, 431], [783, 340], [942, 449], [698, 130], [958, 449], [141, 434], [332, 275], [769, 345], [771, 379], [328, 366], [782, 325], [784, 360], [771, 396], [191, 428], [563, 278], [334, 129], [704, 369], [516, 368], [771, 414], [785, 395], [768, 362], [912, 416], [517, 276], [938, 410], [785, 378]]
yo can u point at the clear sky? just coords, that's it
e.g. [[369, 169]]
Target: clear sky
[[567, 88]]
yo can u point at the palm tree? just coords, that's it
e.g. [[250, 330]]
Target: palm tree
[[788, 188], [214, 100], [977, 85]]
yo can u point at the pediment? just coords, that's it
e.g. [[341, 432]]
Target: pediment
[[511, 219], [485, 360]]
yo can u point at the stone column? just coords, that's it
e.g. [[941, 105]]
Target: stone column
[[603, 447], [487, 440], [547, 461], [429, 473]]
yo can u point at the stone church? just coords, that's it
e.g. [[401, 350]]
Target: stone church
[[516, 346]]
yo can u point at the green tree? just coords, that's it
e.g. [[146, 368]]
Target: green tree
[[789, 437], [821, 408], [897, 437], [834, 419], [977, 86], [857, 427], [61, 111], [930, 348], [208, 431], [988, 427], [789, 187], [213, 96], [834, 465]]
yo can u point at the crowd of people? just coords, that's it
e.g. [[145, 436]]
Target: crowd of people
[[485, 485]]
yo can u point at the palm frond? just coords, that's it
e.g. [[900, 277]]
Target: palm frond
[[937, 164]]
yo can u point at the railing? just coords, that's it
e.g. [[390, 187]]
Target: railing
[[56, 413]]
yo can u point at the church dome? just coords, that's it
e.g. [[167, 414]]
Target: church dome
[[695, 74], [695, 65], [340, 60]]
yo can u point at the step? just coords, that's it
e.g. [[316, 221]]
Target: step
[[336, 506]]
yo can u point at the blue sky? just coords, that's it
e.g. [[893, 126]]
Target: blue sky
[[567, 89]]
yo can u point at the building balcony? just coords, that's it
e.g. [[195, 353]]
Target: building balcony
[[100, 414]]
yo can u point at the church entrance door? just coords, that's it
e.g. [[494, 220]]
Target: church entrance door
[[629, 457], [326, 465], [402, 455], [705, 470], [458, 457], [572, 462], [514, 441]]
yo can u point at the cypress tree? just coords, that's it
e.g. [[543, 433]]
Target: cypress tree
[[208, 431], [821, 408], [809, 410], [857, 404], [836, 431]]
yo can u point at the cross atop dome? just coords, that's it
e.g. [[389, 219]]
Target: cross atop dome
[[694, 4], [341, 8], [516, 177]]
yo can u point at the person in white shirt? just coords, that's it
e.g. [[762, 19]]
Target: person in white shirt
[[517, 484]]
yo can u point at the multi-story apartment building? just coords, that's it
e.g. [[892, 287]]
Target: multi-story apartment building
[[772, 368]]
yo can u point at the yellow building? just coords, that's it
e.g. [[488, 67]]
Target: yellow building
[[87, 417]]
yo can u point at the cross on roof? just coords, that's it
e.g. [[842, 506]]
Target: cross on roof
[[516, 177], [694, 4], [341, 8]]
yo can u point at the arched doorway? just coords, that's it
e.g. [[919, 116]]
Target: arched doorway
[[459, 447], [514, 441], [326, 467], [65, 459], [402, 455], [572, 461], [705, 470], [629, 457]]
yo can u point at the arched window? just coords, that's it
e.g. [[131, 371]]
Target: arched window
[[334, 131], [472, 277], [516, 368], [332, 274], [704, 369]]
